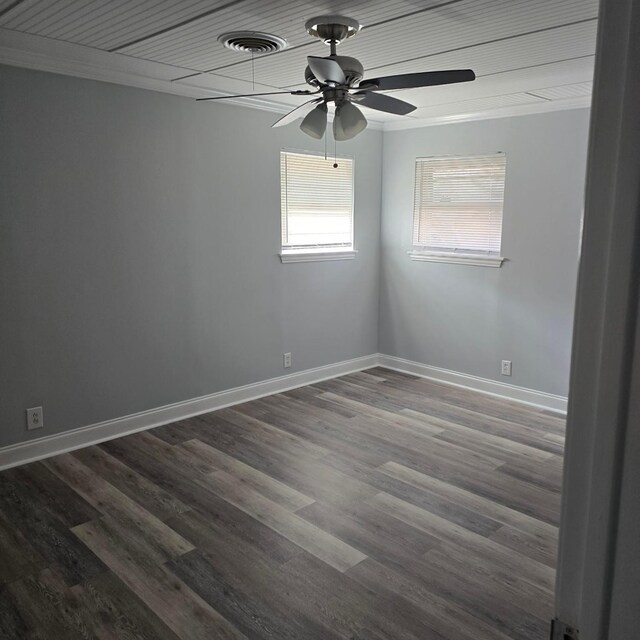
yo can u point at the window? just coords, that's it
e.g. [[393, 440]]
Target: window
[[457, 213], [317, 207]]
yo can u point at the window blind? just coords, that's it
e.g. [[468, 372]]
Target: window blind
[[458, 204], [316, 201]]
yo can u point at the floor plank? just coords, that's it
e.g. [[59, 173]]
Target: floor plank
[[314, 540], [270, 488], [181, 609], [148, 495]]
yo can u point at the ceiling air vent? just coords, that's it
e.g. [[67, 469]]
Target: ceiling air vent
[[252, 42]]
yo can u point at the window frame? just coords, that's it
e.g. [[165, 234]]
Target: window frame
[[477, 258], [314, 253]]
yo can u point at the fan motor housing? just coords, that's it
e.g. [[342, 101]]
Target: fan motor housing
[[352, 67]]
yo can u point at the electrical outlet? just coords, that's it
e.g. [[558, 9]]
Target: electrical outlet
[[286, 360], [506, 367], [34, 418]]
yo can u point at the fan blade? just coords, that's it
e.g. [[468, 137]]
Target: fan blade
[[253, 95], [382, 102], [326, 70], [416, 80], [296, 113]]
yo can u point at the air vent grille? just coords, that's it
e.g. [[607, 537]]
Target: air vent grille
[[252, 42]]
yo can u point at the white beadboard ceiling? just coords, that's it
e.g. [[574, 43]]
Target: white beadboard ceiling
[[528, 55]]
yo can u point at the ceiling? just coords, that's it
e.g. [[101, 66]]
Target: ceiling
[[528, 55]]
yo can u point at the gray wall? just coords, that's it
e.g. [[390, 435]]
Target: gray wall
[[139, 235], [468, 319], [138, 254]]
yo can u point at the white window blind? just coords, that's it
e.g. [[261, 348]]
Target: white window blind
[[316, 202], [458, 204]]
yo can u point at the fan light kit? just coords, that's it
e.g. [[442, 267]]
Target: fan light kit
[[338, 80]]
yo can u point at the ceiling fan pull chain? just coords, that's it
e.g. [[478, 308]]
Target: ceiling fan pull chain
[[253, 73], [335, 153]]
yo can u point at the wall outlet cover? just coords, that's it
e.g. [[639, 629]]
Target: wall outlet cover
[[506, 368], [35, 418], [286, 359]]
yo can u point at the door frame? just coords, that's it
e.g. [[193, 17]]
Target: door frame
[[604, 390]]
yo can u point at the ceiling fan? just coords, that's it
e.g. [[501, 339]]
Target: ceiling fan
[[335, 78]]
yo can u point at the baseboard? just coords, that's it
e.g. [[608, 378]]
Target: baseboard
[[483, 385], [33, 450]]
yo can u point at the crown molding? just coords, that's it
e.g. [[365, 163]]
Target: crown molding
[[54, 56], [582, 102], [45, 54]]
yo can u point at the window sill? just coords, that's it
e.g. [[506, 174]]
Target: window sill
[[457, 258], [316, 256]]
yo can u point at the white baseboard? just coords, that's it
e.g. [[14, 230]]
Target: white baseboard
[[33, 450], [483, 385]]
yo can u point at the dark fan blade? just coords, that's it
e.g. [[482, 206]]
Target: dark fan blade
[[253, 95], [382, 102], [416, 80], [296, 113], [326, 70]]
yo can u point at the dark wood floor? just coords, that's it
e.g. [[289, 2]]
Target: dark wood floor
[[374, 506]]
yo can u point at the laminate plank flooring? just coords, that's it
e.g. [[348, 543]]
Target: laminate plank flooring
[[375, 506]]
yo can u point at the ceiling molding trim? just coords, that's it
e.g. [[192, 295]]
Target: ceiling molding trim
[[582, 102], [92, 71], [261, 104], [89, 71], [45, 54]]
